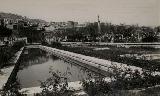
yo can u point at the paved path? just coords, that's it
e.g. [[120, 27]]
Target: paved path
[[7, 71]]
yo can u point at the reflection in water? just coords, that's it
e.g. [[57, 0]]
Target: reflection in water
[[33, 57], [35, 66]]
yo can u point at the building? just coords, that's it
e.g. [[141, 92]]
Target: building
[[80, 25], [58, 25], [49, 28], [71, 24]]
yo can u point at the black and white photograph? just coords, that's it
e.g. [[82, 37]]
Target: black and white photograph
[[79, 47]]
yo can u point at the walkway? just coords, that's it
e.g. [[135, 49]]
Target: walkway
[[6, 72]]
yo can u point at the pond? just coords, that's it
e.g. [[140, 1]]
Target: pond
[[35, 65]]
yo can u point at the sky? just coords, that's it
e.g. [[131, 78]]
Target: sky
[[142, 12], [158, 11]]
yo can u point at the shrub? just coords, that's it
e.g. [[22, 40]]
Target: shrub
[[45, 43], [99, 87], [122, 80], [17, 45], [7, 52], [5, 55], [56, 44], [56, 85], [13, 90]]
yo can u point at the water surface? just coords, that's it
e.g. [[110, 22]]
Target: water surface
[[35, 65]]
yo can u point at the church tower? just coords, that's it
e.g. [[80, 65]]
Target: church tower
[[99, 26], [99, 30]]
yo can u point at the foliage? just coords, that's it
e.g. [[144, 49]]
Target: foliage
[[5, 55], [56, 85], [7, 52], [17, 45], [45, 43], [113, 54], [31, 33], [56, 44], [150, 39], [121, 80], [5, 32], [13, 90], [121, 33], [99, 87]]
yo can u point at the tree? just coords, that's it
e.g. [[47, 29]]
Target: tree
[[5, 32]]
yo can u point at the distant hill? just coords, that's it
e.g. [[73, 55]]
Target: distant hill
[[16, 16], [10, 15], [37, 21]]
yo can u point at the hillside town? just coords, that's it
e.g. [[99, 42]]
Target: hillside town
[[72, 31]]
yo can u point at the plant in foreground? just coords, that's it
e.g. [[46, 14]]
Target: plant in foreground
[[56, 85]]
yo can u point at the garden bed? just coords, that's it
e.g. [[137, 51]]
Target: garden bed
[[114, 53]]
